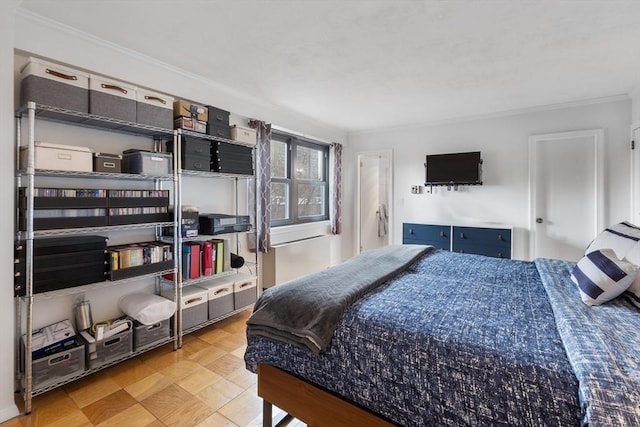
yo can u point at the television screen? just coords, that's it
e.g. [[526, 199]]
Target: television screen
[[455, 168]]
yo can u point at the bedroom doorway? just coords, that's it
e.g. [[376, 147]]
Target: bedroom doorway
[[635, 174], [373, 226], [566, 196]]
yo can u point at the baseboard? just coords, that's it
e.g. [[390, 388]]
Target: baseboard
[[9, 412]]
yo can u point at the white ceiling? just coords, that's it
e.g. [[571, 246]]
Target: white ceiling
[[367, 64]]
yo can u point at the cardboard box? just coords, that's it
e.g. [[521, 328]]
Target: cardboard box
[[154, 108], [51, 339], [112, 98], [182, 108], [245, 135], [190, 124], [49, 156], [51, 84]]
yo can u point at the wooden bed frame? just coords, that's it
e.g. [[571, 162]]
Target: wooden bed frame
[[308, 402]]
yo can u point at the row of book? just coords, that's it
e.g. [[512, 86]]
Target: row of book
[[135, 255], [98, 193], [68, 213], [202, 259], [146, 210]]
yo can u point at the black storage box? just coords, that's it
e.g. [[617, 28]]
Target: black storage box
[[232, 158], [103, 162], [131, 207], [196, 153], [190, 224], [213, 223], [62, 262], [218, 117]]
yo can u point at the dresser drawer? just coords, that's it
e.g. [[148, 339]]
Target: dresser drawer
[[494, 242], [479, 249], [426, 234]]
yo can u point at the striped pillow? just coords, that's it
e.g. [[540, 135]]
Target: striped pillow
[[633, 293], [621, 237], [601, 276]]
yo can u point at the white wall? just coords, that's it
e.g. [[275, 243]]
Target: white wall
[[7, 407], [635, 109], [503, 141]]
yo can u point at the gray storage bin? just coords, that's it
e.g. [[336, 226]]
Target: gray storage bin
[[194, 306], [146, 162], [245, 291], [147, 335], [110, 349], [111, 98], [219, 295], [51, 84], [154, 109], [58, 367]]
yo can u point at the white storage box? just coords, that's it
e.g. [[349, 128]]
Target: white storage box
[[112, 98], [51, 156], [245, 290], [194, 306], [220, 295], [52, 84], [154, 109], [245, 135]]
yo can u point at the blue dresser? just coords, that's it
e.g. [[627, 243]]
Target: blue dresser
[[494, 242]]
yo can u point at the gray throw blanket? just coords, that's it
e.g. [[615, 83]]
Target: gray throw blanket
[[306, 311]]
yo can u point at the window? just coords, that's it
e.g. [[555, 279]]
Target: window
[[299, 183]]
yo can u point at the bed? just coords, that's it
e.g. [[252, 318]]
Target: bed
[[446, 339]]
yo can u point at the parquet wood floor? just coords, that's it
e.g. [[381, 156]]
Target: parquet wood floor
[[205, 383]]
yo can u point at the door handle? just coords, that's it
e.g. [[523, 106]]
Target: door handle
[[539, 220]]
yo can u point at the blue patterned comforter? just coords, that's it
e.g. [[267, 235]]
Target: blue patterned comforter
[[454, 340]]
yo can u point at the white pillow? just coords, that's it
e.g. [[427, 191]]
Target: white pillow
[[601, 276], [621, 237], [147, 309]]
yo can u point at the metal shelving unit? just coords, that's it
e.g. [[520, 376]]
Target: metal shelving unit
[[26, 178]]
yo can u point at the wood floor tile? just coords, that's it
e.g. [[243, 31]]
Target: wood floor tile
[[226, 365], [93, 389], [49, 411], [163, 402], [148, 386], [207, 355], [232, 342], [180, 370], [213, 335], [244, 408], [217, 420], [162, 359], [135, 416], [129, 372], [198, 380], [74, 419], [243, 378], [109, 406], [194, 345], [239, 352], [219, 394], [190, 413], [13, 422]]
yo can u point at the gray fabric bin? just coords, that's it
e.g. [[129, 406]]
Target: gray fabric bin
[[112, 99], [194, 306], [51, 84], [245, 291], [154, 109], [219, 295]]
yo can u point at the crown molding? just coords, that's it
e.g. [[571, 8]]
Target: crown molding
[[499, 114]]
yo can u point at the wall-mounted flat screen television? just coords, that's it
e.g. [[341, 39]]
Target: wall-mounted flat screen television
[[454, 169]]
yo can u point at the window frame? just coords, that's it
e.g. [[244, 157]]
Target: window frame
[[293, 142]]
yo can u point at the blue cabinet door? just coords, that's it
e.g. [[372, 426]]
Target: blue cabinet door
[[426, 234]]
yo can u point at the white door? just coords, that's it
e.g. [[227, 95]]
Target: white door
[[635, 174], [566, 192], [373, 197]]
